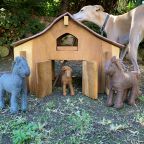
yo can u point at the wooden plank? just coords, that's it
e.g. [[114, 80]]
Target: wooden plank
[[115, 51], [90, 79], [85, 89], [66, 20], [44, 78], [23, 53], [67, 48]]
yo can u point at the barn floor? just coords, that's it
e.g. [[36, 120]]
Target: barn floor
[[72, 120]]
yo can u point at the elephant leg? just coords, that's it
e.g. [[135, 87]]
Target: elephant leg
[[119, 99], [109, 102], [24, 97], [64, 89], [2, 103], [71, 89], [13, 102]]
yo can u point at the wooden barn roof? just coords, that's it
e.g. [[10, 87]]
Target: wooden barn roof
[[77, 22]]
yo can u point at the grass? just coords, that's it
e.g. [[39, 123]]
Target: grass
[[58, 119], [72, 120]]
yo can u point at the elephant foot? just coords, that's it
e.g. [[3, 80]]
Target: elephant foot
[[118, 106]]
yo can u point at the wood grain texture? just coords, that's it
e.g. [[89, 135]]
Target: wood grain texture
[[66, 20], [67, 48], [44, 78], [23, 53], [90, 79]]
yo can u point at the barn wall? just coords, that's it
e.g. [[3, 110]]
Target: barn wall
[[89, 47], [115, 51]]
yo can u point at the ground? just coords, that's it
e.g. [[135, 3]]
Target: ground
[[58, 119]]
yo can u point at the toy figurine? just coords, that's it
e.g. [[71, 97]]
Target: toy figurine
[[122, 84], [67, 80], [15, 83]]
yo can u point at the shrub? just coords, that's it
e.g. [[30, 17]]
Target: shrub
[[17, 25]]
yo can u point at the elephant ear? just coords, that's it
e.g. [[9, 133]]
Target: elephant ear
[[99, 8]]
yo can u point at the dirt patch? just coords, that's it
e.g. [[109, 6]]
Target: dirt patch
[[72, 119]]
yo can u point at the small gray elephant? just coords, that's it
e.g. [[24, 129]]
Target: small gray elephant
[[14, 82]]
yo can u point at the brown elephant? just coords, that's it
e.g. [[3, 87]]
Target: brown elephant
[[123, 84]]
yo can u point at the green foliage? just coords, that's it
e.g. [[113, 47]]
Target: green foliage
[[125, 6], [17, 25], [140, 118], [105, 122], [80, 121], [26, 133], [94, 27], [50, 8], [22, 131], [141, 98], [50, 106]]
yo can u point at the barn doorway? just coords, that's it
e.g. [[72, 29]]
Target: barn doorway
[[76, 73], [89, 74]]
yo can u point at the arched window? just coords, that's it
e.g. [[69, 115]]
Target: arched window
[[67, 41]]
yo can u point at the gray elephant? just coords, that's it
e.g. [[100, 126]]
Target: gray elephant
[[15, 83]]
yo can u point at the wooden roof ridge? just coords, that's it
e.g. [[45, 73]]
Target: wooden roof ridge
[[79, 23]]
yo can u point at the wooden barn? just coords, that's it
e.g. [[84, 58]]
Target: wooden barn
[[43, 48]]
